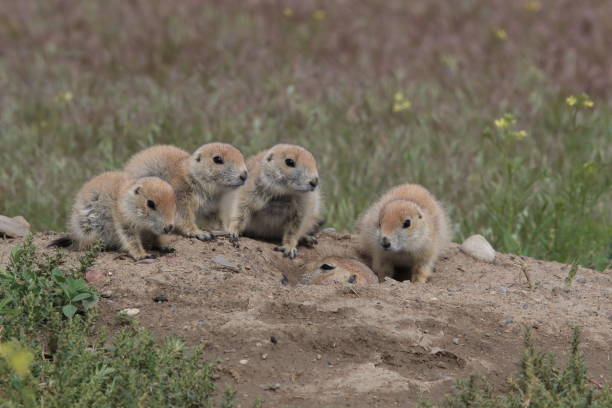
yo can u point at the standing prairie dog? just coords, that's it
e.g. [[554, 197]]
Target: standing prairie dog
[[122, 213], [279, 201], [405, 227], [200, 180]]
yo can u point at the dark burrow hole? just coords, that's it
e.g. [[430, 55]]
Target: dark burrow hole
[[402, 273]]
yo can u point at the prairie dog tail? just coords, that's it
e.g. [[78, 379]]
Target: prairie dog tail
[[62, 242]]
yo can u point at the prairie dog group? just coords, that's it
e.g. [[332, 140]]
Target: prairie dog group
[[123, 213], [281, 199], [275, 196], [405, 227], [200, 180]]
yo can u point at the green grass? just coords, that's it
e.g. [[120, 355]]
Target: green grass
[[538, 384], [85, 86], [51, 358]]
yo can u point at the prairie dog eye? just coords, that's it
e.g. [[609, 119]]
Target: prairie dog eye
[[151, 204], [290, 162], [218, 159], [327, 267], [406, 224]]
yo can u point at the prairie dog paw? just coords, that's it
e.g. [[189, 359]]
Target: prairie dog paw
[[233, 239], [201, 235], [146, 256], [310, 241], [167, 250], [288, 251]]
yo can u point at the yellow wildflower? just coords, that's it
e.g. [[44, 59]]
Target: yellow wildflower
[[533, 6], [288, 12], [571, 100], [501, 123], [500, 33], [17, 357], [520, 135], [588, 103], [319, 14], [65, 96], [401, 104]]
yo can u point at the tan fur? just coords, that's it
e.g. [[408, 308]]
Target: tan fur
[[278, 201], [113, 208], [338, 269], [418, 246], [198, 181]]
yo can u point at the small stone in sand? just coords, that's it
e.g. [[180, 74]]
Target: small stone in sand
[[130, 312], [478, 247]]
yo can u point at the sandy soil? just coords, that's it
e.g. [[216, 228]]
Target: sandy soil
[[385, 345]]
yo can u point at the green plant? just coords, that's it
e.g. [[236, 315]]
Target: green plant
[[48, 360], [538, 384], [72, 294]]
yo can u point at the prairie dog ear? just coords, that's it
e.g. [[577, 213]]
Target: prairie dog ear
[[137, 190], [269, 156], [198, 157], [420, 214]]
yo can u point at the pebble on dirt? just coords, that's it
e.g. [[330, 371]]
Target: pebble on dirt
[[160, 298], [130, 312], [16, 227], [478, 247]]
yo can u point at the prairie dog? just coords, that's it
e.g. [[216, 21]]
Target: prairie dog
[[199, 180], [405, 227], [279, 201], [122, 213], [337, 269]]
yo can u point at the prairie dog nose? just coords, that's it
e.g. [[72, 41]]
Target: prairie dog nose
[[168, 228], [244, 175], [314, 182], [386, 244]]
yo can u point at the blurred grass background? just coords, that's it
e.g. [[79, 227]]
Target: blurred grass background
[[381, 92]]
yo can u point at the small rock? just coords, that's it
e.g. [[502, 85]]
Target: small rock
[[106, 293], [509, 321], [130, 312], [328, 230], [271, 387], [264, 356], [273, 340], [160, 299], [223, 261], [503, 289], [244, 362], [478, 247], [319, 356], [525, 306], [285, 281], [14, 227], [535, 326], [455, 340], [581, 280]]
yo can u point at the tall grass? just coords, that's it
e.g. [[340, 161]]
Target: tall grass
[[382, 93]]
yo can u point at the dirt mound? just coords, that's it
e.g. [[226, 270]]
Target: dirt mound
[[338, 345]]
